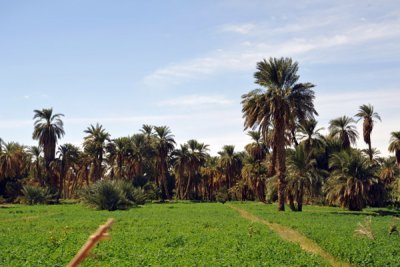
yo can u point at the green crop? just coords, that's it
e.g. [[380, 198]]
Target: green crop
[[183, 234]]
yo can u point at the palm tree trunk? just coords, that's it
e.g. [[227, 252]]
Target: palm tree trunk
[[279, 138], [272, 167], [291, 202], [300, 197], [370, 151], [186, 196]]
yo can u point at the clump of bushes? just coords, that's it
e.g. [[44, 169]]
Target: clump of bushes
[[36, 195], [113, 195], [222, 195]]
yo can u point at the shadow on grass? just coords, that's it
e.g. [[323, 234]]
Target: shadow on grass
[[395, 213]]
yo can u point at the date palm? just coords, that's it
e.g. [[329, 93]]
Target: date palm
[[36, 167], [48, 129], [310, 135], [303, 174], [344, 129], [181, 167], [95, 143], [165, 144], [283, 103], [14, 161], [231, 164], [68, 154], [367, 113], [351, 179], [394, 145]]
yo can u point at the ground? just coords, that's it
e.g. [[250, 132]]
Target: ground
[[198, 234]]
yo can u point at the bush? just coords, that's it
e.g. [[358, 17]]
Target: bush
[[111, 195], [222, 195], [152, 191], [136, 195], [35, 195]]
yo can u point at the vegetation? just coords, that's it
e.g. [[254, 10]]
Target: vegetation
[[288, 160], [207, 234], [335, 230], [109, 195]]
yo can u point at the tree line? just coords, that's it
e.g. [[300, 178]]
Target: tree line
[[288, 160]]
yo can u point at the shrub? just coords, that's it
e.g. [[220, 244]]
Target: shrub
[[113, 195], [136, 195], [152, 191], [35, 195], [222, 195]]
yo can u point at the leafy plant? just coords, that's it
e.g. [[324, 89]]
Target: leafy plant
[[222, 195], [106, 195], [36, 195]]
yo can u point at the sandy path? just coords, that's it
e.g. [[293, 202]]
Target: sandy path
[[291, 235]]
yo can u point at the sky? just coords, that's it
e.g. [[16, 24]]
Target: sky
[[185, 64]]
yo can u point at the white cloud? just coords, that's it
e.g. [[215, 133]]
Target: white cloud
[[196, 100], [239, 28], [276, 42], [15, 124]]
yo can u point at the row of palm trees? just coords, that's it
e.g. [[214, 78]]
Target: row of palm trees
[[288, 160]]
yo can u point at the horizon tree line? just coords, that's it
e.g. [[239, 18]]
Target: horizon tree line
[[288, 159]]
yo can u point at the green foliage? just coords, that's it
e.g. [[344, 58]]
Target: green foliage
[[182, 234], [36, 195], [110, 195], [222, 195], [319, 224]]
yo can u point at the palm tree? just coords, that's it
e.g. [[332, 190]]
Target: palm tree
[[351, 179], [344, 129], [48, 128], [230, 163], [95, 142], [67, 155], [366, 112], [284, 103], [14, 161], [310, 135], [165, 144], [394, 145], [302, 173], [181, 165], [36, 154]]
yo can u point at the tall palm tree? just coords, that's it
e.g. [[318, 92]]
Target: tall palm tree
[[67, 155], [310, 135], [95, 142], [165, 144], [351, 179], [367, 113], [197, 158], [302, 172], [48, 129], [281, 105], [231, 164], [36, 154], [181, 167], [394, 145], [344, 129]]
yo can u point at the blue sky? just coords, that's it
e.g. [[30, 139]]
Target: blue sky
[[185, 64]]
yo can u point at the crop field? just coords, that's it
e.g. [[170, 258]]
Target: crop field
[[190, 234], [333, 229]]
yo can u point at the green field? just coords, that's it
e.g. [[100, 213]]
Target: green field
[[188, 234]]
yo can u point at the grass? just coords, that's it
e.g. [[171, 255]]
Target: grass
[[183, 234], [334, 230]]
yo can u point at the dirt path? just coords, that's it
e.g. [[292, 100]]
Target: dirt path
[[291, 235]]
